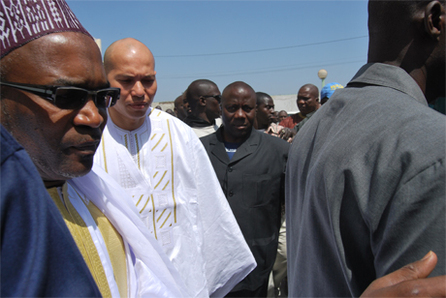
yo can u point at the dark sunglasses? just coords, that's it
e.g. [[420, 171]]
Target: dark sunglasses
[[217, 97], [70, 98]]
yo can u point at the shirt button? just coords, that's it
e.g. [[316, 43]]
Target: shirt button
[[231, 193], [229, 169]]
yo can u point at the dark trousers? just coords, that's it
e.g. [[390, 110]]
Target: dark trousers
[[259, 292]]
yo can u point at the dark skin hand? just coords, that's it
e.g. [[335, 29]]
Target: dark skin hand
[[286, 134], [410, 281]]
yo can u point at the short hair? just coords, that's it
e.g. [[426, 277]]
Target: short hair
[[260, 96], [313, 88], [236, 84]]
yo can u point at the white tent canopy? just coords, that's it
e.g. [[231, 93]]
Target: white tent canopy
[[286, 102]]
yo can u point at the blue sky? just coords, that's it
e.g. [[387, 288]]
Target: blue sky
[[275, 46]]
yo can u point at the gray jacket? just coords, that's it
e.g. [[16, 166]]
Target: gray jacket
[[365, 186]]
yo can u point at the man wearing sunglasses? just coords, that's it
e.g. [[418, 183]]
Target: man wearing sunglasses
[[54, 96], [163, 166], [204, 99]]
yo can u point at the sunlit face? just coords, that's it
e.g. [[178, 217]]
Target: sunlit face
[[265, 113], [307, 100], [134, 73], [60, 142], [238, 113]]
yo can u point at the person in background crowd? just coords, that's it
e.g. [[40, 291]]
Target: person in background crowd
[[276, 117], [307, 102], [365, 191], [328, 90], [264, 120], [264, 111], [282, 115], [163, 166], [180, 108], [204, 98], [171, 112]]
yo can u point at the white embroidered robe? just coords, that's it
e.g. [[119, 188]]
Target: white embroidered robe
[[166, 170]]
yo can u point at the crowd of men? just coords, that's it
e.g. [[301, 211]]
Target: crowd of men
[[103, 195]]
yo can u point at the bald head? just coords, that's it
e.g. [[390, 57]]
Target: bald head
[[311, 88], [196, 89], [203, 97], [130, 66], [238, 88], [127, 47]]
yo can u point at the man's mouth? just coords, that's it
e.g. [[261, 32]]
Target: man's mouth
[[138, 106], [86, 148], [240, 126]]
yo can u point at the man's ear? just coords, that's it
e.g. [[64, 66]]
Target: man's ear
[[434, 19], [202, 101]]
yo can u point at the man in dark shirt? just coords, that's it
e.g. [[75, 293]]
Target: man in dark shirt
[[307, 102], [250, 167], [203, 97]]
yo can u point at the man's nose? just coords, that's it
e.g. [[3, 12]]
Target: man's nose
[[89, 115], [138, 89], [239, 113]]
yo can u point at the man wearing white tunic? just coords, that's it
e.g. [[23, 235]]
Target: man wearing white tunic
[[162, 164], [54, 96], [131, 265]]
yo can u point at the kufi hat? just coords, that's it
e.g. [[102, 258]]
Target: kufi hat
[[329, 89], [22, 21]]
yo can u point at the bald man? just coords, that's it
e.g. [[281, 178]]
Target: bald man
[[366, 182], [163, 166], [204, 98], [250, 166], [307, 102]]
